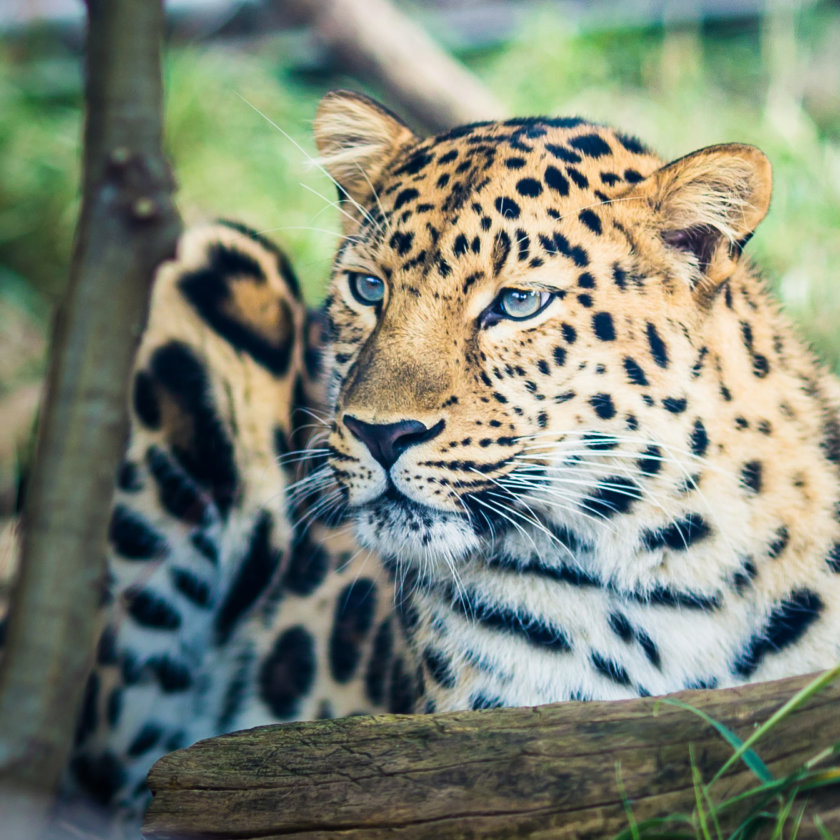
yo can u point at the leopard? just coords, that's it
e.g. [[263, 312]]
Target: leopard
[[551, 439]]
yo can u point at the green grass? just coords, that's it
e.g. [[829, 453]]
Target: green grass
[[773, 808]]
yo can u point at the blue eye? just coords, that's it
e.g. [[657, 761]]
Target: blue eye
[[516, 305], [366, 288]]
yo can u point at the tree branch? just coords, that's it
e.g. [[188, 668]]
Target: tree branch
[[128, 224], [548, 771], [376, 41]]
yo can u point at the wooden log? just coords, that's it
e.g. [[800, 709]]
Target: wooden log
[[550, 771]]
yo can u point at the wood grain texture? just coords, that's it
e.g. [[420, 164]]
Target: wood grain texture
[[543, 772]]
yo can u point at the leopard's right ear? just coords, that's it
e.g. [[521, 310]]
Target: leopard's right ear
[[356, 137]]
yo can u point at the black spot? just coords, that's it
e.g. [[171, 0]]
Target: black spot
[[610, 669], [559, 356], [619, 276], [591, 220], [133, 537], [751, 476], [785, 625], [591, 145], [650, 462], [404, 197], [379, 663], [460, 246], [192, 587], [99, 775], [308, 566], [634, 373], [173, 676], [745, 575], [602, 323], [586, 280], [780, 542], [680, 535], [611, 496], [603, 405], [287, 673], [178, 494], [585, 300], [761, 367], [664, 596], [833, 558], [578, 177], [657, 346], [528, 628], [515, 162], [569, 333], [146, 738], [556, 180], [529, 187], [699, 440], [674, 404], [128, 477], [562, 153], [151, 610], [632, 144], [610, 178], [402, 242], [210, 290], [483, 701], [145, 401], [206, 547], [649, 647], [439, 667], [416, 162], [354, 612], [256, 572], [402, 696], [210, 457], [621, 627], [632, 176], [449, 156], [506, 207]]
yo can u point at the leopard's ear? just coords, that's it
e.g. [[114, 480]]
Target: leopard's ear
[[356, 137], [707, 204]]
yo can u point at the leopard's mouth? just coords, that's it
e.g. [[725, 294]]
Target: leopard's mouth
[[404, 530]]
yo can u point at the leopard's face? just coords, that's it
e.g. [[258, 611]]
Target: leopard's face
[[508, 323]]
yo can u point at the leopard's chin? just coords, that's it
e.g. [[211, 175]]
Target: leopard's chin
[[404, 531]]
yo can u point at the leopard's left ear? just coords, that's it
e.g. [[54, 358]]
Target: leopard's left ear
[[708, 204]]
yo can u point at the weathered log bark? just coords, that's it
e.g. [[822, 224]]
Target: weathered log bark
[[550, 771], [374, 40], [128, 224]]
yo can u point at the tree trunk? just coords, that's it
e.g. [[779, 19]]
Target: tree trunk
[[128, 224], [559, 771]]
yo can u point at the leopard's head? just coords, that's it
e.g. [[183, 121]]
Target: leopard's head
[[515, 311]]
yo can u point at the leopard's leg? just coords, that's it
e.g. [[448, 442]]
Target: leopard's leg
[[333, 643], [200, 532]]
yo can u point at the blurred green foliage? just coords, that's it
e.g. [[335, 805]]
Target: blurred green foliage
[[771, 83]]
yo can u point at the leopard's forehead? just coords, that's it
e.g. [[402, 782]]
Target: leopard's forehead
[[514, 166]]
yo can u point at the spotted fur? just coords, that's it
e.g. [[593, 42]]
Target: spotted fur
[[419, 504]]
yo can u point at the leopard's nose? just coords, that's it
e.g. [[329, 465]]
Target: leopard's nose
[[387, 441]]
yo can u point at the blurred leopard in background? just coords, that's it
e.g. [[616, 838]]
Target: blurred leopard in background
[[551, 440]]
